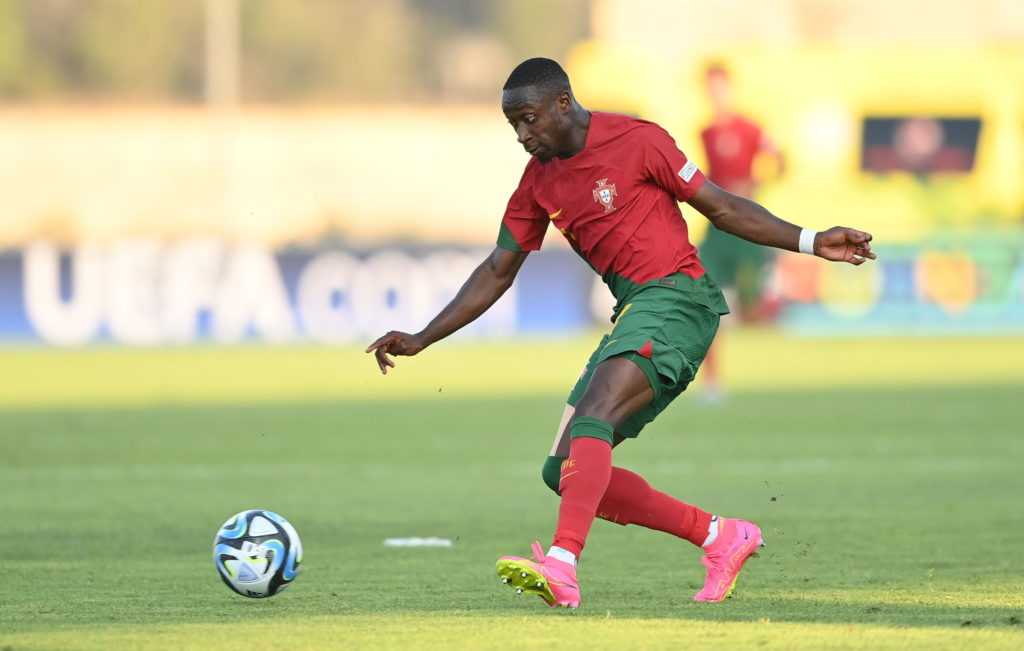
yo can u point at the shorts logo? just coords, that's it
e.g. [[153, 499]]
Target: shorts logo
[[604, 194], [687, 172]]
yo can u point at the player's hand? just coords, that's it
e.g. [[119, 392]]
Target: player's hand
[[843, 244], [395, 343]]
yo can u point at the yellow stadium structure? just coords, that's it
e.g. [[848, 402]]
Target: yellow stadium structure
[[819, 100]]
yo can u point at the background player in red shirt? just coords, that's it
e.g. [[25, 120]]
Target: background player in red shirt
[[611, 185], [731, 144]]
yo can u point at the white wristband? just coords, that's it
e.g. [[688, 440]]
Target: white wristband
[[807, 240]]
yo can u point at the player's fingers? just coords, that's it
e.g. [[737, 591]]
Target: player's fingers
[[383, 363], [858, 237], [377, 344], [863, 250]]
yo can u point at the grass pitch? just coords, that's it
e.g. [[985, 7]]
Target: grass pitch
[[887, 476]]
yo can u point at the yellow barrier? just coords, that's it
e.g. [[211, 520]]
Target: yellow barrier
[[814, 99]]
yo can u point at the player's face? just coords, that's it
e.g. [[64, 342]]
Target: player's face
[[719, 90], [540, 121]]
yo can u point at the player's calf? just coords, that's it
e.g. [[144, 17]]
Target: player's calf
[[552, 472]]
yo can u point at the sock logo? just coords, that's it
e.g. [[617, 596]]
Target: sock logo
[[567, 471], [610, 517]]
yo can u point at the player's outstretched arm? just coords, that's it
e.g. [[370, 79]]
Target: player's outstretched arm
[[749, 220], [485, 286]]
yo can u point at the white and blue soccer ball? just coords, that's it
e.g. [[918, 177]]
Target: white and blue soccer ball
[[257, 553]]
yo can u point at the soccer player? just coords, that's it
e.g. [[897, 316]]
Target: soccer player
[[731, 143], [611, 184]]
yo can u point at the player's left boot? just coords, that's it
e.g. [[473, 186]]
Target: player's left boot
[[551, 579], [737, 541]]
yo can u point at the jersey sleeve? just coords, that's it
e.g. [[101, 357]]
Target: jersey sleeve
[[524, 223], [667, 166]]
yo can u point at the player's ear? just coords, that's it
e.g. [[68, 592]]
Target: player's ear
[[564, 101]]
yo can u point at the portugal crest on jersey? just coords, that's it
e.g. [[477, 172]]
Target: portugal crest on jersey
[[604, 194]]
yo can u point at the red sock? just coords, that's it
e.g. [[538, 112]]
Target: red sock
[[585, 476], [629, 499]]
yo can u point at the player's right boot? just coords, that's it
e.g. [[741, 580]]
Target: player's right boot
[[737, 541], [551, 579]]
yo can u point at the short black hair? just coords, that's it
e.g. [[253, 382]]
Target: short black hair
[[543, 74], [717, 68]]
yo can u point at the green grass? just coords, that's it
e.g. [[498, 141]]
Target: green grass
[[892, 513]]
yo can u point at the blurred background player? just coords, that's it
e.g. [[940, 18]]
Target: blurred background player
[[732, 143]]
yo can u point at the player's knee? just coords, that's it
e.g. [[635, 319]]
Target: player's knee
[[552, 472]]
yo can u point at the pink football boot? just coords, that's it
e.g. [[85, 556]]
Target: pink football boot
[[736, 542], [551, 579]]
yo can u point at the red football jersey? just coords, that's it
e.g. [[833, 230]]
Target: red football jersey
[[615, 202], [731, 148]]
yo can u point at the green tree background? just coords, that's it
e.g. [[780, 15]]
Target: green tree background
[[290, 50]]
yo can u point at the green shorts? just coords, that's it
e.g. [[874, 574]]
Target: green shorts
[[735, 262], [666, 328]]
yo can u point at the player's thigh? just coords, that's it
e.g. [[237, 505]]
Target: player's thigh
[[561, 444], [617, 390], [560, 448]]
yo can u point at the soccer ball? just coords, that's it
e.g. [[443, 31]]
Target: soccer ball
[[257, 553]]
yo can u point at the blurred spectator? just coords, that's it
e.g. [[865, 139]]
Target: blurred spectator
[[732, 142]]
